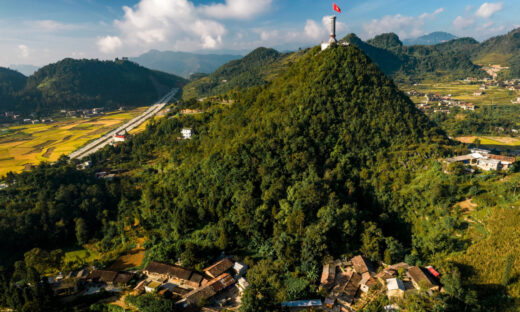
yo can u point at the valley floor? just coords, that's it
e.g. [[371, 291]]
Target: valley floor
[[27, 145]]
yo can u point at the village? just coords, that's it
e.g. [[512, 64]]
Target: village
[[350, 285], [347, 285], [219, 285], [446, 103]]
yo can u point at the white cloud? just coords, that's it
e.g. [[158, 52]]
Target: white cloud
[[461, 23], [320, 32], [236, 9], [109, 44], [488, 9], [403, 26], [169, 24], [313, 30], [23, 50]]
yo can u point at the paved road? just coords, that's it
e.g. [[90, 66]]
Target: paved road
[[98, 144]]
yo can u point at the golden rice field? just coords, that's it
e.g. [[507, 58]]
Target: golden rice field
[[26, 145], [490, 140]]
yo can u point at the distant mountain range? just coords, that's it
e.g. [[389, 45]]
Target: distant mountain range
[[182, 63], [75, 84], [430, 39], [408, 64], [25, 69]]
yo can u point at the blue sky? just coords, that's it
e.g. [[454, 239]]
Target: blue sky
[[39, 32]]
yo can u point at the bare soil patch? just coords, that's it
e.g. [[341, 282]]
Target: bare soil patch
[[39, 147], [467, 205], [133, 258], [468, 139], [49, 152]]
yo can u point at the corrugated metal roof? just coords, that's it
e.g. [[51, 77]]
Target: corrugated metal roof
[[302, 303]]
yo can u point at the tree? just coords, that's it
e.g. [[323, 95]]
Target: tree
[[371, 240], [81, 231], [476, 142]]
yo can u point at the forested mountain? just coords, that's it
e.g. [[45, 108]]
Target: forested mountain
[[11, 82], [73, 84], [182, 63], [415, 63], [430, 39], [503, 50], [293, 171], [254, 69]]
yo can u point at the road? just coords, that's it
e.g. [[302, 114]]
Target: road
[[98, 144]]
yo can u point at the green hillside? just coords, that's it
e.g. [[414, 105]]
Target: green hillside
[[503, 50], [254, 69], [293, 171], [446, 61], [10, 83], [91, 83], [75, 84]]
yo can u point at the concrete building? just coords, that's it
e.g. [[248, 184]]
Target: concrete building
[[186, 133], [395, 288]]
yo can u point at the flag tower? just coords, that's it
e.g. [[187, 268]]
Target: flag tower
[[332, 38]]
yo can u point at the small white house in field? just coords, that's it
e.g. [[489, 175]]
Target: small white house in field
[[120, 138], [186, 133]]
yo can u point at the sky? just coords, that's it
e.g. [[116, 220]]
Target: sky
[[39, 32]]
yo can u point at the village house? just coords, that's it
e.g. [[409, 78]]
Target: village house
[[468, 106], [242, 284], [120, 138], [328, 275], [152, 287], [368, 282], [218, 268], [186, 133], [301, 305], [209, 290], [488, 164], [422, 279], [362, 265], [177, 274], [111, 278], [395, 288], [505, 161], [240, 269]]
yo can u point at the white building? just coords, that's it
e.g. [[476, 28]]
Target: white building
[[186, 133], [119, 138], [239, 269], [242, 284], [488, 164], [395, 288]]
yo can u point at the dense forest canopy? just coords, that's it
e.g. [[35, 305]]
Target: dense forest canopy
[[254, 69], [11, 82], [75, 84]]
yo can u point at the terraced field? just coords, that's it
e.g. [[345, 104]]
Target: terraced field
[[465, 92], [27, 145]]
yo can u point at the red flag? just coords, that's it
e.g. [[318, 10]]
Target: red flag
[[336, 8]]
